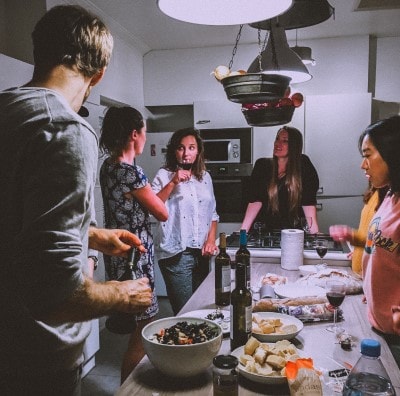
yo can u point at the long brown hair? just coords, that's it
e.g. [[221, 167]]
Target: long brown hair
[[293, 173], [171, 162]]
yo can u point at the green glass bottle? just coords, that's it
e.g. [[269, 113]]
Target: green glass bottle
[[222, 273], [243, 255], [241, 309]]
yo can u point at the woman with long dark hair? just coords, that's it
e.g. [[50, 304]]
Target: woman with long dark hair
[[185, 242], [283, 188]]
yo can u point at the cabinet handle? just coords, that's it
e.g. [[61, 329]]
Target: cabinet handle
[[201, 122], [320, 191], [319, 207]]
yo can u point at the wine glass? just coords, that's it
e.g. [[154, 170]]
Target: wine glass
[[335, 293], [306, 224], [259, 226], [321, 246], [185, 165]]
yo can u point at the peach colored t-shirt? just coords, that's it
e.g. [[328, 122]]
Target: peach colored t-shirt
[[381, 264]]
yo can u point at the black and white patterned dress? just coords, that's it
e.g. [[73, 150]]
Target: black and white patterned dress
[[116, 180]]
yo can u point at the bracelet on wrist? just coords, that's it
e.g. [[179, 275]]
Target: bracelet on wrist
[[95, 261]]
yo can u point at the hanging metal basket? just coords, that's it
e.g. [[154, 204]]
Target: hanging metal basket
[[268, 116], [255, 87]]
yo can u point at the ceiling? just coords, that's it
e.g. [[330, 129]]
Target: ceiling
[[145, 25]]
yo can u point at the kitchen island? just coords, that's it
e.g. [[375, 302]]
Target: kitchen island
[[314, 341]]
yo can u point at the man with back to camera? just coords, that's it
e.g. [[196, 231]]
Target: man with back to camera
[[48, 157]]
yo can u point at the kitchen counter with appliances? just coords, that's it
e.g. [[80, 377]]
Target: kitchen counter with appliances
[[266, 248], [313, 341]]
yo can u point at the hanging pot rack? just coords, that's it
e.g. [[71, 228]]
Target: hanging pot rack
[[254, 87]]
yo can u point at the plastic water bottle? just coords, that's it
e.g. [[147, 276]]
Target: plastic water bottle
[[369, 377]]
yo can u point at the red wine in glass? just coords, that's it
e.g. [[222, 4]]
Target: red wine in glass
[[321, 248], [335, 293], [335, 299], [185, 166]]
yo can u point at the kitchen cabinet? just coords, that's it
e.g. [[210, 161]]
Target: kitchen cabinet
[[338, 210], [213, 114], [333, 124]]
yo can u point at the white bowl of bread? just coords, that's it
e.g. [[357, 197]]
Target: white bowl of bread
[[265, 362], [273, 326]]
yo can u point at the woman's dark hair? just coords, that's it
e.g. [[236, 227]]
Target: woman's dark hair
[[171, 162], [118, 124], [385, 136], [293, 172]]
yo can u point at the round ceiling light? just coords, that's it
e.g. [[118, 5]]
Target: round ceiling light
[[223, 12]]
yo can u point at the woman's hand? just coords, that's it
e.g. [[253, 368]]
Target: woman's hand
[[341, 232], [181, 176], [396, 319], [209, 249]]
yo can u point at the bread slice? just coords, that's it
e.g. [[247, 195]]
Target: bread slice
[[251, 345], [260, 355], [277, 362]]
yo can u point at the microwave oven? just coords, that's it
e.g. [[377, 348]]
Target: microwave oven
[[227, 145], [221, 151]]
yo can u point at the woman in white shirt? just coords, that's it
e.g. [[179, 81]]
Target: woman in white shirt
[[185, 242]]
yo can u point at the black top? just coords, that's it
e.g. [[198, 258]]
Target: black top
[[260, 179]]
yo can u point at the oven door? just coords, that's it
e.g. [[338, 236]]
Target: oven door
[[231, 196]]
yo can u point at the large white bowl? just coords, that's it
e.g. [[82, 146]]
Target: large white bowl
[[180, 360]]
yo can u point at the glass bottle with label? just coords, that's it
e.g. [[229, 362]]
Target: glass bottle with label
[[241, 309], [243, 255], [222, 273]]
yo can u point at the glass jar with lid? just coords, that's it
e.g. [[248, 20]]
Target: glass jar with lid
[[225, 376]]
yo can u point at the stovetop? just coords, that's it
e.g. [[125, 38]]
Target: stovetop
[[272, 240]]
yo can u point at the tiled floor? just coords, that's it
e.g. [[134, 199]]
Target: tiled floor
[[104, 379]]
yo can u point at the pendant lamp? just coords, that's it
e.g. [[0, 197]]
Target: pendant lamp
[[302, 14], [304, 53], [278, 58], [223, 12]]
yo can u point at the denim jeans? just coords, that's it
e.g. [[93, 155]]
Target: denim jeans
[[183, 274]]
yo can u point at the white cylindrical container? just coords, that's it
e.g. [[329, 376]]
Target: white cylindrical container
[[292, 249]]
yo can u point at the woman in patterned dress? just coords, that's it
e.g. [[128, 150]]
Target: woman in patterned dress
[[128, 202]]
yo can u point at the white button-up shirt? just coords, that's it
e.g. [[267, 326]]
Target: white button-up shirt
[[191, 210]]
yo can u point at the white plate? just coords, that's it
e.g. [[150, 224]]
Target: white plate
[[293, 290], [202, 314], [262, 379], [286, 320]]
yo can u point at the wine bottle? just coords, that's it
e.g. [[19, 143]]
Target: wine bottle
[[241, 309], [243, 255], [123, 322], [222, 273]]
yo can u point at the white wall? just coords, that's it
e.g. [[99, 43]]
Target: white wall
[[183, 76], [13, 72]]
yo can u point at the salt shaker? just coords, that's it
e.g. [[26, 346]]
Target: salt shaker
[[225, 376]]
